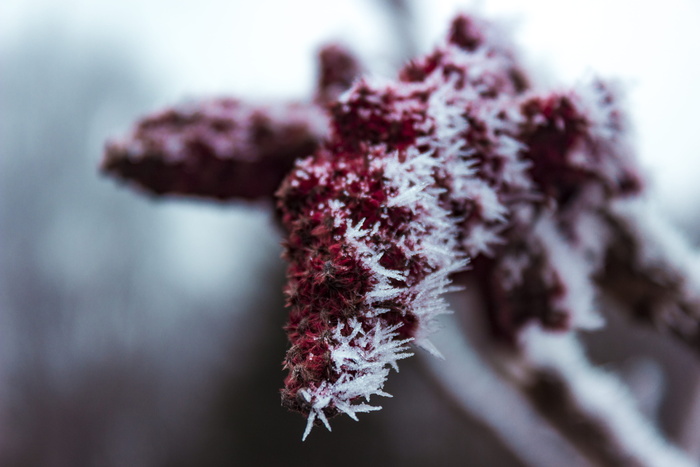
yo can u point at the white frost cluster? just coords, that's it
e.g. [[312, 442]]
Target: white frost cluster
[[365, 354]]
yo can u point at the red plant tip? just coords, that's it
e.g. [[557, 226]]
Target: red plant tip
[[338, 68], [465, 33], [219, 148]]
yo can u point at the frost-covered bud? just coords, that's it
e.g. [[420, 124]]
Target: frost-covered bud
[[556, 244], [219, 148], [371, 247], [575, 139], [488, 68], [378, 221], [338, 68]]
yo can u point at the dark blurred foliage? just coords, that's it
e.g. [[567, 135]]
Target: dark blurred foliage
[[112, 358]]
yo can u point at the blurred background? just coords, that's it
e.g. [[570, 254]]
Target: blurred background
[[140, 332]]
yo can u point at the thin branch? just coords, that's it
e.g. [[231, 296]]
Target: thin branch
[[590, 406], [476, 387], [590, 410]]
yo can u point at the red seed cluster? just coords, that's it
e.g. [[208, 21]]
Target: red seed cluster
[[579, 164], [219, 148], [328, 282], [566, 152], [510, 176], [347, 184]]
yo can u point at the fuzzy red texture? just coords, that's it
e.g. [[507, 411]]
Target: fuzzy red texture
[[326, 285], [220, 148], [368, 119], [467, 33], [551, 144], [556, 136]]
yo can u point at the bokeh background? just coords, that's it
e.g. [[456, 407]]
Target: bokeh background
[[140, 332]]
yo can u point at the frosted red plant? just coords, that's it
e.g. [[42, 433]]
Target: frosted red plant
[[454, 165]]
